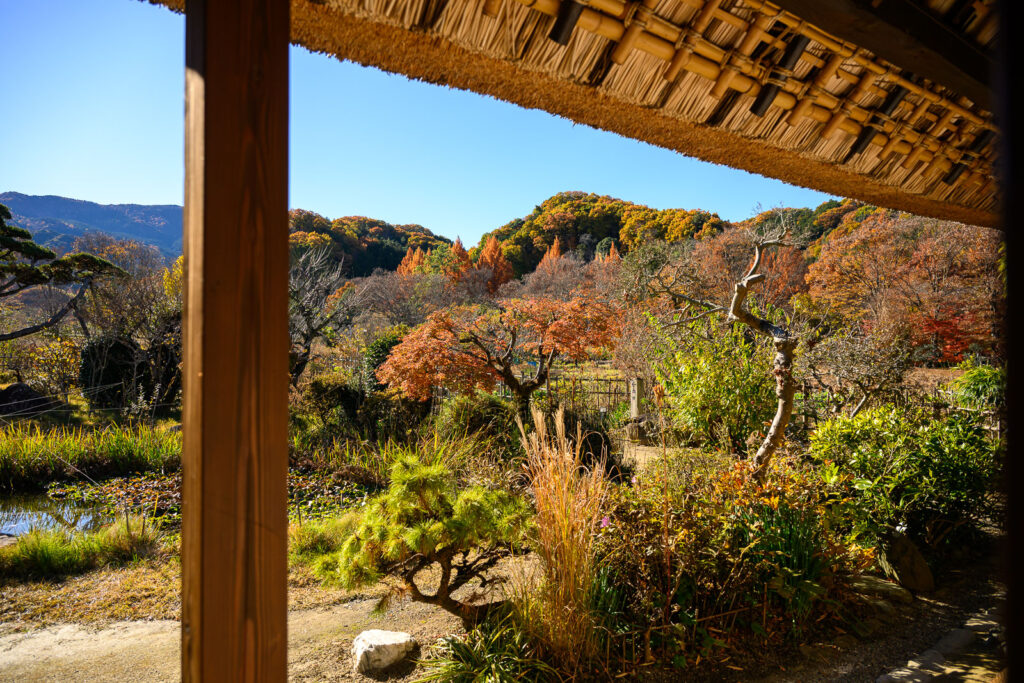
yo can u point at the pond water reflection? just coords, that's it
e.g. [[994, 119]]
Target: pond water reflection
[[19, 514]]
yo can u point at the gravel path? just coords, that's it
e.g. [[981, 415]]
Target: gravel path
[[964, 590], [319, 641]]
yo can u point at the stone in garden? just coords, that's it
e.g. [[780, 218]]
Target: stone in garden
[[981, 624], [901, 560], [375, 649], [955, 640], [872, 585], [929, 659]]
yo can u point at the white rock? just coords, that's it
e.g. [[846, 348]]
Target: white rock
[[375, 649]]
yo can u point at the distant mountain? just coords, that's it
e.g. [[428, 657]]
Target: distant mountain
[[57, 221]]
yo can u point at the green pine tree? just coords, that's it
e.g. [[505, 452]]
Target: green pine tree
[[421, 521], [25, 264]]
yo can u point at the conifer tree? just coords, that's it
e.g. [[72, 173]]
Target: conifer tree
[[492, 257], [25, 264], [422, 521]]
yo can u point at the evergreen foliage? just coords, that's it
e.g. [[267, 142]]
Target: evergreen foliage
[[423, 521]]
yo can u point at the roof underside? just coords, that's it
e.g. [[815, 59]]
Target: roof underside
[[735, 82]]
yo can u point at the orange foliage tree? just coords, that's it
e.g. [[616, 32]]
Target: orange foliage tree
[[476, 347], [493, 258], [722, 260], [459, 262], [939, 280], [413, 262]]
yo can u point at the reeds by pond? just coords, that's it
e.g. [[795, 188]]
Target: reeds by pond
[[31, 457], [46, 554]]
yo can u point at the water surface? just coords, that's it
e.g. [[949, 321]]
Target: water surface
[[19, 514]]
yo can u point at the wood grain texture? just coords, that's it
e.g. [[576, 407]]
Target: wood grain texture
[[234, 531]]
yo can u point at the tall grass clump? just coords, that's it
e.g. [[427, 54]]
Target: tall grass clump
[[370, 463], [570, 501], [31, 457], [981, 387], [312, 539], [46, 554], [497, 650]]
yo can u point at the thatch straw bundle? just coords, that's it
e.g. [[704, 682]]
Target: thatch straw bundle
[[739, 82]]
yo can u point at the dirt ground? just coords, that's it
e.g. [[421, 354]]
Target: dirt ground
[[319, 643], [86, 629]]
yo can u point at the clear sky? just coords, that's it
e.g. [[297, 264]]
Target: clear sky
[[93, 107]]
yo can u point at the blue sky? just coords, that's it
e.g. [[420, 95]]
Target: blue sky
[[93, 109]]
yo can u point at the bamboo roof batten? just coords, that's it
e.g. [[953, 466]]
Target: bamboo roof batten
[[739, 82]]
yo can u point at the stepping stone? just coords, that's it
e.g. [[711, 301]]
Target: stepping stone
[[872, 585]]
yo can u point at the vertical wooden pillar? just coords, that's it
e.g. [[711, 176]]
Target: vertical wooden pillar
[[234, 531], [1010, 107]]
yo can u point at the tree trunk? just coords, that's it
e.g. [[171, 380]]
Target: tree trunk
[[785, 389]]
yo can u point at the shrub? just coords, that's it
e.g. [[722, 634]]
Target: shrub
[[716, 383], [376, 352], [112, 372], [490, 419], [981, 386], [906, 471], [31, 457], [388, 415], [56, 554], [327, 412], [55, 368], [422, 521], [695, 558], [497, 650]]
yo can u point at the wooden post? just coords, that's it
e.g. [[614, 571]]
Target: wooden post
[[234, 529]]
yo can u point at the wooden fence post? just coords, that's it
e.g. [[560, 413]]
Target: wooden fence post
[[235, 413]]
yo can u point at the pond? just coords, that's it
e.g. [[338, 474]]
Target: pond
[[19, 514]]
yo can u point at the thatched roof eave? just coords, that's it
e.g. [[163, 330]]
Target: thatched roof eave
[[766, 147]]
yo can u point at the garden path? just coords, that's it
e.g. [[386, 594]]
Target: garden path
[[319, 642]]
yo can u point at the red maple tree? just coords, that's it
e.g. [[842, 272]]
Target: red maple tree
[[474, 347]]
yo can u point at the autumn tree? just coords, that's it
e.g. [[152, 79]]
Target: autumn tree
[[25, 265], [937, 279], [402, 298], [132, 304], [476, 347], [558, 276], [679, 282], [493, 259], [319, 298], [413, 262]]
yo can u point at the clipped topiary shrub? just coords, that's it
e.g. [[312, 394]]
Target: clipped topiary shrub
[[376, 352], [389, 414]]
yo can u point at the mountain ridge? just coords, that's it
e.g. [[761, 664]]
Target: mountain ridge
[[56, 221]]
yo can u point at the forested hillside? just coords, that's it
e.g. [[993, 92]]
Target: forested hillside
[[56, 222], [362, 244]]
